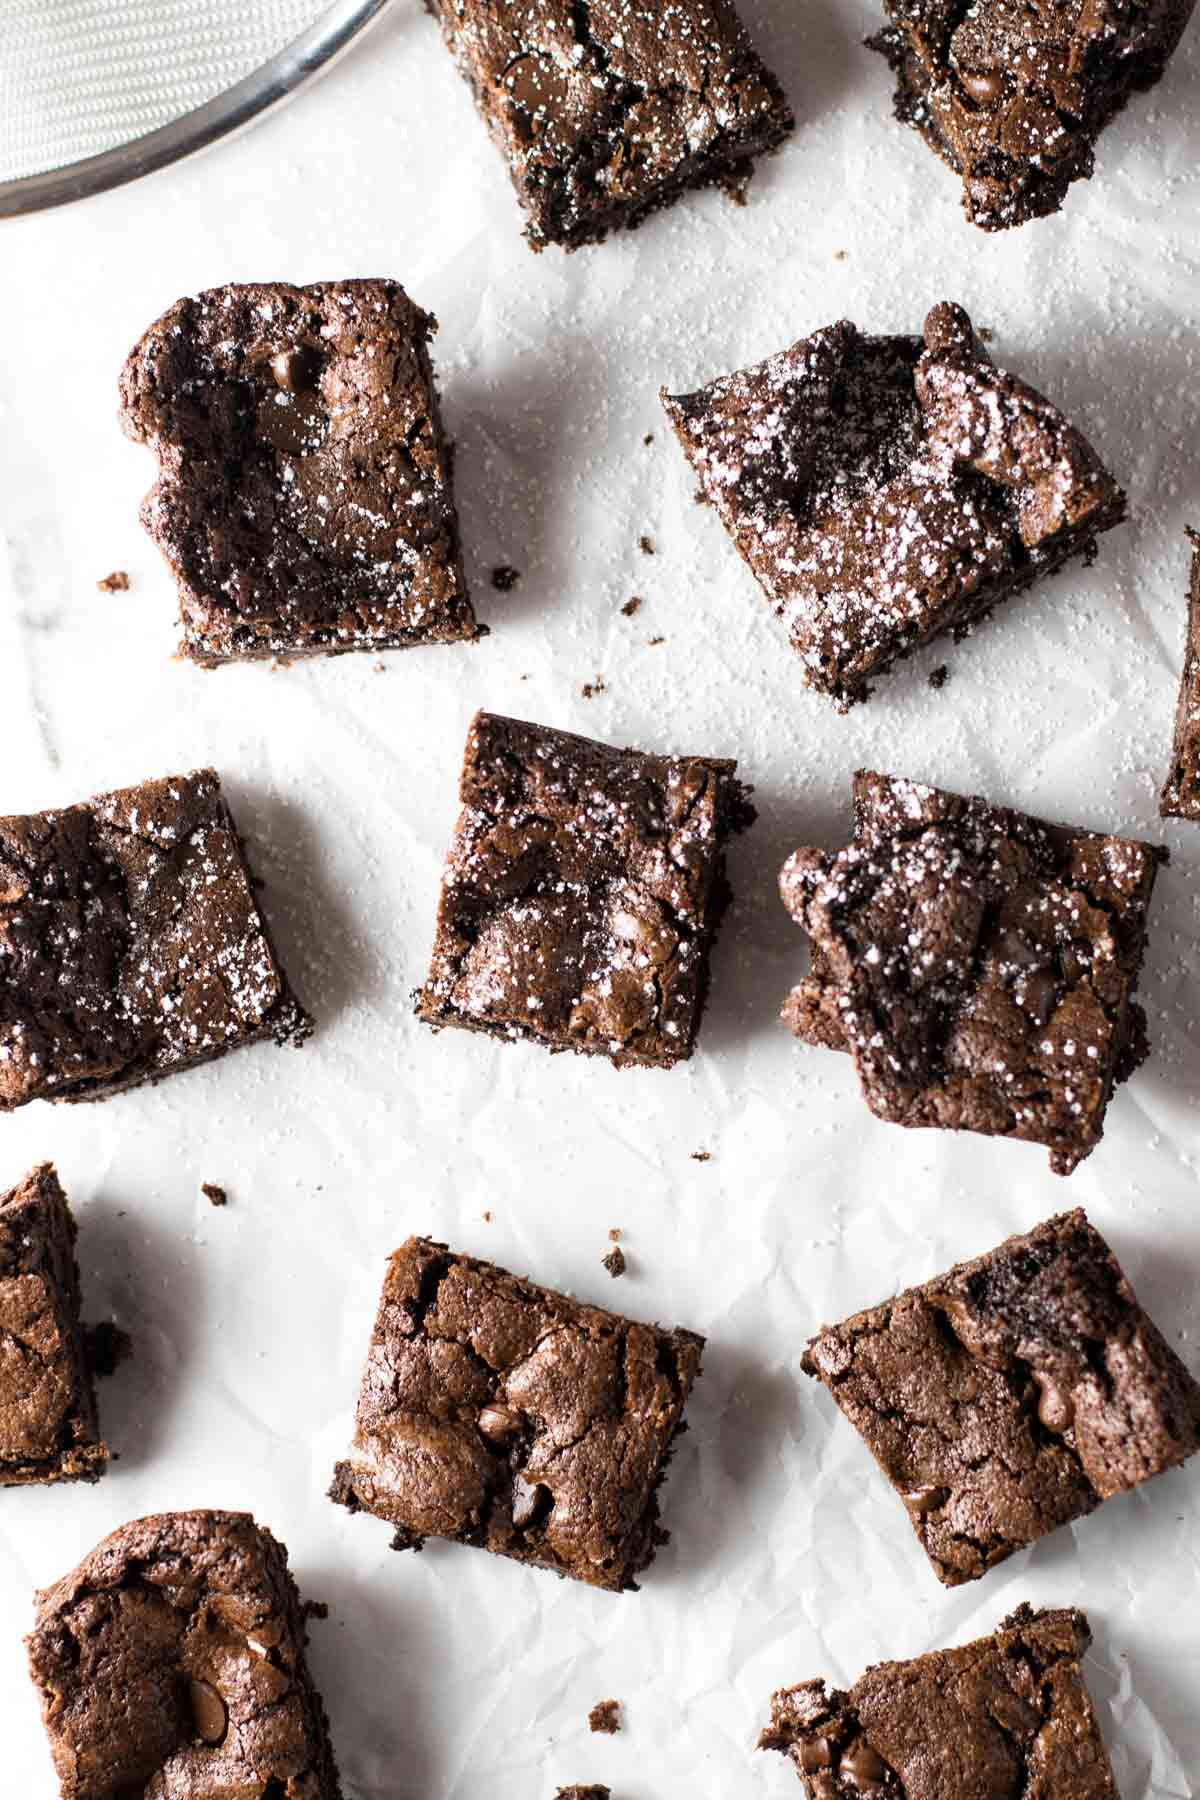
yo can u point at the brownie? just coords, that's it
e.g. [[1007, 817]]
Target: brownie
[[1180, 797], [131, 943], [582, 893], [885, 490], [1014, 97], [1008, 1714], [1011, 1395], [978, 964], [305, 499], [497, 1413], [48, 1426], [607, 110], [592, 1791], [171, 1663]]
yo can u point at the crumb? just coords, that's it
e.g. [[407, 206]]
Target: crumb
[[632, 605], [649, 438], [524, 678], [840, 255], [940, 676], [605, 1716], [380, 668], [505, 578], [214, 1194], [733, 185], [590, 689], [700, 498], [314, 1609], [646, 545], [701, 1155], [614, 1236], [116, 583], [487, 1218], [986, 333], [107, 1347], [655, 640], [616, 1265]]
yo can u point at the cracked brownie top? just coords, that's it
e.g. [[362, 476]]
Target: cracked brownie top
[[171, 1663], [131, 943], [1012, 1394], [1014, 96], [1005, 1716], [504, 1415], [887, 489], [582, 892], [979, 965], [605, 109], [48, 1426], [305, 502]]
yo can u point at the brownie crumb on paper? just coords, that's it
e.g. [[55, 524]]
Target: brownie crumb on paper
[[615, 1262], [216, 1196], [116, 583], [505, 578], [605, 1716]]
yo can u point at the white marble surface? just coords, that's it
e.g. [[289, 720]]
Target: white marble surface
[[453, 1676]]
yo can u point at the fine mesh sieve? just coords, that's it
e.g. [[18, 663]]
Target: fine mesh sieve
[[95, 92]]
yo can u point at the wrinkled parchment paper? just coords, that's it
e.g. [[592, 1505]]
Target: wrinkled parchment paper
[[450, 1675]]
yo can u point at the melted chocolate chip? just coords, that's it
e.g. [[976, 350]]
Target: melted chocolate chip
[[209, 1714], [296, 369]]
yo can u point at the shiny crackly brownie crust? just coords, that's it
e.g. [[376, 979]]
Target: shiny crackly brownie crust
[[605, 110], [1012, 1394], [1180, 797], [1008, 1714], [1013, 97], [48, 1426], [884, 490], [171, 1663], [500, 1414], [582, 893], [131, 943], [305, 499], [979, 965]]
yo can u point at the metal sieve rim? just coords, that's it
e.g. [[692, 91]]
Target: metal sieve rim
[[314, 50]]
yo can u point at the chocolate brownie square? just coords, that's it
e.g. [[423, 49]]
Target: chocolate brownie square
[[606, 111], [582, 893], [131, 943], [1009, 1714], [885, 490], [305, 500], [1014, 97], [1180, 796], [171, 1662], [497, 1413], [979, 965], [1011, 1395], [48, 1426]]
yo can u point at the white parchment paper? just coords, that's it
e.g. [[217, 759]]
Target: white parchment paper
[[452, 1675]]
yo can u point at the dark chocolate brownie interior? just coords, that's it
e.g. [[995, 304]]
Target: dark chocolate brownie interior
[[887, 489], [607, 109], [979, 965], [501, 1414], [171, 1666], [1014, 96], [305, 500], [48, 1425], [1012, 1394], [1008, 1715]]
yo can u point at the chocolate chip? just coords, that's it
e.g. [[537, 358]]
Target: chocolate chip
[[861, 1766], [922, 1500], [816, 1753], [1056, 1407], [499, 1424], [208, 1711], [296, 368], [531, 1502], [985, 86]]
